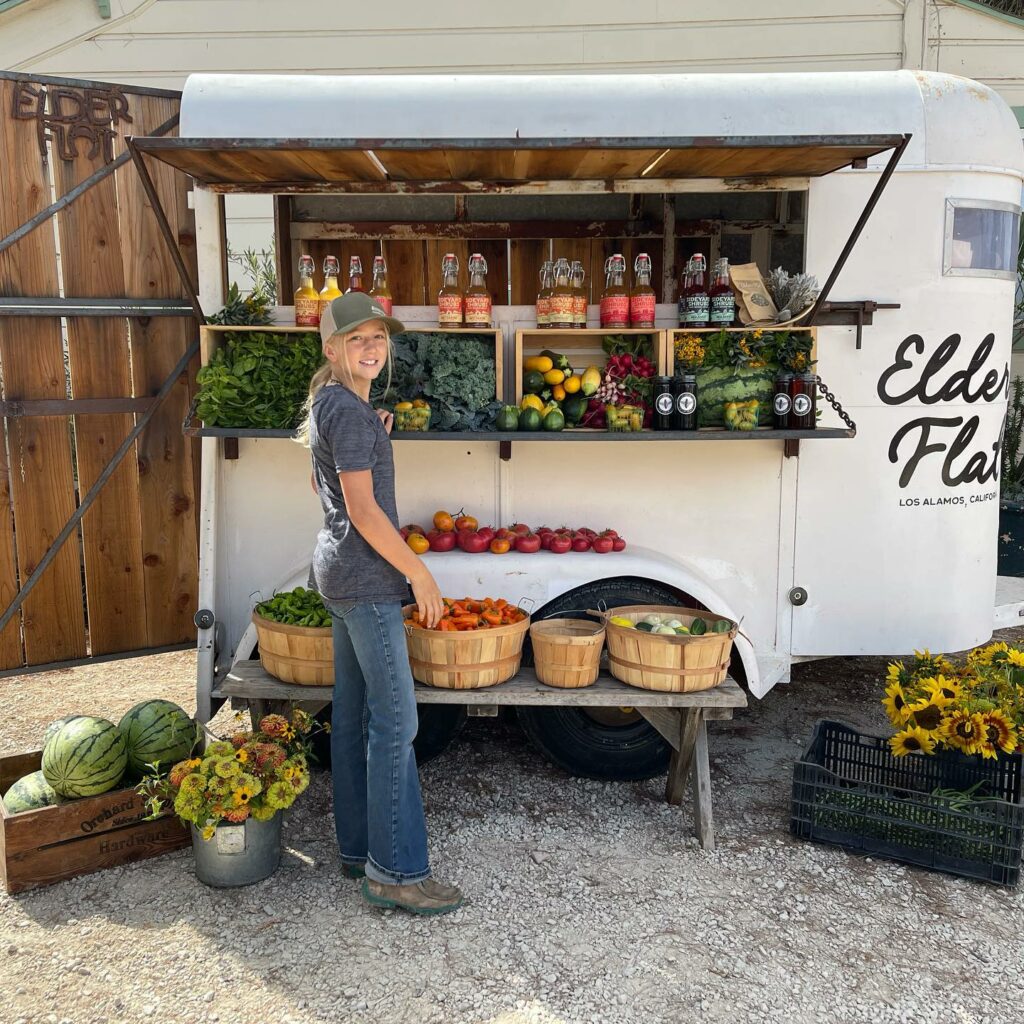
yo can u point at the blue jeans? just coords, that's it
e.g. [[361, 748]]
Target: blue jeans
[[378, 809]]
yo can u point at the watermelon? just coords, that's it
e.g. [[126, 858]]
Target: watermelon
[[157, 731], [85, 757], [30, 793], [54, 727], [717, 385]]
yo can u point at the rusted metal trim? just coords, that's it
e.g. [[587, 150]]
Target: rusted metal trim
[[69, 197], [165, 229], [52, 306], [86, 83], [97, 659], [93, 492], [19, 408], [876, 194]]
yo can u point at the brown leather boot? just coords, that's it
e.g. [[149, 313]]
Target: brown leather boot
[[428, 897]]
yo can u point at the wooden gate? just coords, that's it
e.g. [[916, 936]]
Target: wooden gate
[[94, 327]]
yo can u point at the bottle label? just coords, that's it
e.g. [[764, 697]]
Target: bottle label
[[307, 312], [782, 404], [801, 405], [686, 403], [615, 311], [723, 308], [478, 309], [449, 310], [641, 309], [544, 311], [579, 310], [385, 303], [663, 404], [698, 307], [561, 311]]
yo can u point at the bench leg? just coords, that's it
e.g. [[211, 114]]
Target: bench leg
[[682, 756], [702, 789]]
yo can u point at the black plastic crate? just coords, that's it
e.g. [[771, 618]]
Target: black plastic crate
[[849, 789]]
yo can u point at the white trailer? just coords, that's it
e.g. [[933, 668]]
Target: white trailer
[[874, 544]]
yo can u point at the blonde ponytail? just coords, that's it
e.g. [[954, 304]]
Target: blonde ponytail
[[319, 379]]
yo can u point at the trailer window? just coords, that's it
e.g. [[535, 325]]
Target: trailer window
[[981, 239]]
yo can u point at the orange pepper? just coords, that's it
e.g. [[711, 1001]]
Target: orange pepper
[[493, 618]]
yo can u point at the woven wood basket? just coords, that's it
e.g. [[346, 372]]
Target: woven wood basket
[[296, 654], [567, 652], [465, 661], [676, 664]]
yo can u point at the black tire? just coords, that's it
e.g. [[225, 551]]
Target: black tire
[[600, 743], [439, 725]]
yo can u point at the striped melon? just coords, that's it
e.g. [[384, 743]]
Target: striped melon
[[717, 385], [85, 757], [157, 731], [54, 727], [30, 793]]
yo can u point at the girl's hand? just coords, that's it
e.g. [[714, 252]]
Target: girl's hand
[[387, 418], [427, 595]]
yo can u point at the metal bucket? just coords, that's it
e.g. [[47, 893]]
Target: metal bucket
[[238, 854]]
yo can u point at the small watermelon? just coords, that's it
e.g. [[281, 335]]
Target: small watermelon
[[85, 757], [157, 730], [30, 793], [54, 727]]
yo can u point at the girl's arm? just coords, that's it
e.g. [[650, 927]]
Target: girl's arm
[[379, 532]]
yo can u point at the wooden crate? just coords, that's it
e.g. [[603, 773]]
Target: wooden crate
[[583, 348], [671, 336], [55, 843]]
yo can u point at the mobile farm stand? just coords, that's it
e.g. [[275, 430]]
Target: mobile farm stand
[[875, 534]]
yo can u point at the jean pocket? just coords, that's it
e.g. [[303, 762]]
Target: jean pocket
[[339, 609]]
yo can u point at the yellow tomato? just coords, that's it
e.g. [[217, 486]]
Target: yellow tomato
[[572, 385], [418, 543], [403, 406]]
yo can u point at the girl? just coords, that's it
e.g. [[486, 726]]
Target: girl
[[360, 566]]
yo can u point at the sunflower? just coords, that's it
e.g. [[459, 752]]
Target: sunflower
[[942, 690], [928, 664], [926, 714], [962, 730], [984, 655], [1015, 657], [912, 740], [209, 831], [896, 672], [999, 732], [895, 704]]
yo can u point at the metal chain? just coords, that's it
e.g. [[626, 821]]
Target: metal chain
[[192, 409], [834, 402]]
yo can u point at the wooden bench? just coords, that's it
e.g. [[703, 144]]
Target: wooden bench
[[681, 718]]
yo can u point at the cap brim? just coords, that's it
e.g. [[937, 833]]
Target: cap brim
[[394, 326]]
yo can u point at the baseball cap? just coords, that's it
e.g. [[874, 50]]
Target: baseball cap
[[348, 311]]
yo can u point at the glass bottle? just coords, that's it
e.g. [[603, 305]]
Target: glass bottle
[[330, 289], [641, 298], [803, 391], [307, 300], [450, 300], [782, 402], [478, 298], [615, 300], [577, 275], [698, 302], [664, 403], [561, 315], [544, 295], [380, 292], [684, 416], [355, 275], [684, 287], [722, 301]]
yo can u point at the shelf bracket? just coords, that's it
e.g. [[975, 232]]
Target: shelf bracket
[[505, 451], [791, 447], [231, 448]]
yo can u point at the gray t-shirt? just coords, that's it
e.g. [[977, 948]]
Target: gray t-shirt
[[345, 435]]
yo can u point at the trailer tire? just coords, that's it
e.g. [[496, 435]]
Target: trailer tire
[[574, 738]]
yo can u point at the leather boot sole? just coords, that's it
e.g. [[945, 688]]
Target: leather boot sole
[[388, 904]]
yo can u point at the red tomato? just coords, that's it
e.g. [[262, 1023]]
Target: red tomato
[[581, 544], [519, 529], [414, 528], [609, 533], [442, 542], [444, 522], [404, 531], [618, 544], [466, 523], [560, 545], [474, 543], [461, 536], [528, 544], [564, 531], [500, 546], [502, 533], [487, 532], [546, 540], [586, 532], [602, 545]]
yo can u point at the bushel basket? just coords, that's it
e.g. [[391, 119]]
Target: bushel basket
[[296, 654], [567, 652], [850, 790], [674, 664], [468, 660]]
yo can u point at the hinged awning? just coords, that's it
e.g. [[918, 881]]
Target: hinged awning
[[513, 164]]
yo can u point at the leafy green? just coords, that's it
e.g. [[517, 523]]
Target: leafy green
[[258, 379], [254, 310], [454, 372]]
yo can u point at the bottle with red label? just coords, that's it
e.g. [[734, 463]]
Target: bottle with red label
[[478, 298], [544, 295], [380, 292], [561, 315], [307, 299], [451, 303], [355, 275], [577, 275], [722, 301], [641, 298], [615, 300], [696, 297]]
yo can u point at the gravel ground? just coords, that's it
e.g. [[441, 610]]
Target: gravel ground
[[588, 902]]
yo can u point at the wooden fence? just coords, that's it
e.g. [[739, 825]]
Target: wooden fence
[[126, 581]]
